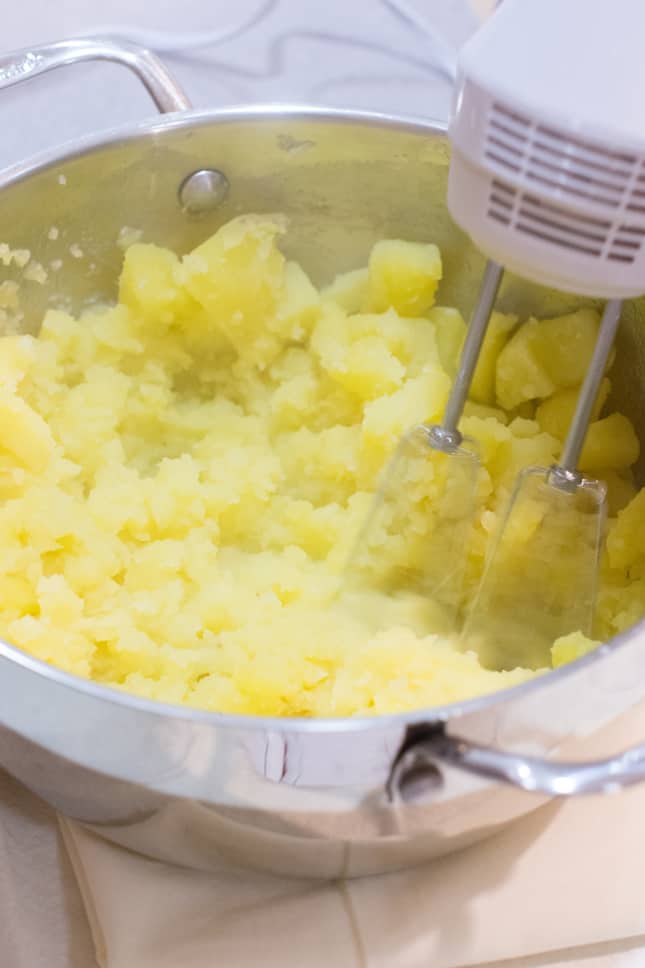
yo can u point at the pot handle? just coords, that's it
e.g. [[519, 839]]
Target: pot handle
[[533, 774], [20, 65]]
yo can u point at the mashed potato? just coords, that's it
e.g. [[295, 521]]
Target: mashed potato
[[183, 475]]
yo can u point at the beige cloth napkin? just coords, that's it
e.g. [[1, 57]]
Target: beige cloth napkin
[[42, 921], [571, 874]]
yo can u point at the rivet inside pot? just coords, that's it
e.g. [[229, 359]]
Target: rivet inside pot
[[203, 190]]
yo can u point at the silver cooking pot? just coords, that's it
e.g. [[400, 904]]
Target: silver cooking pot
[[320, 798]]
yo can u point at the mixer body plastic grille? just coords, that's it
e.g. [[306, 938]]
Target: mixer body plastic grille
[[531, 215], [561, 173], [547, 200]]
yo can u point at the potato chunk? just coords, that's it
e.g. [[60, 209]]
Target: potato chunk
[[149, 285], [545, 356], [450, 330], [571, 647], [299, 306], [403, 276], [519, 375], [564, 346], [610, 442], [237, 277], [24, 433], [555, 414], [500, 327], [624, 544], [348, 290]]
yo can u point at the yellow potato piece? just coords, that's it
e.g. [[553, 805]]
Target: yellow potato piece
[[611, 443], [450, 330], [299, 306], [519, 373], [555, 414], [348, 290], [624, 545], [355, 354], [237, 277], [571, 647], [403, 276], [564, 346], [483, 412], [620, 488], [149, 284], [544, 356], [24, 433], [500, 327]]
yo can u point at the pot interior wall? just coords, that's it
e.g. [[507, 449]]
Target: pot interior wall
[[343, 185]]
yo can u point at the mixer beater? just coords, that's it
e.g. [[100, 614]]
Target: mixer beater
[[547, 177]]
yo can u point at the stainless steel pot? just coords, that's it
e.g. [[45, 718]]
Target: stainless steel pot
[[320, 798]]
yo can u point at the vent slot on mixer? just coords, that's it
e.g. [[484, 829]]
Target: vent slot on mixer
[[545, 174], [501, 202], [556, 225], [594, 237], [566, 167], [626, 243]]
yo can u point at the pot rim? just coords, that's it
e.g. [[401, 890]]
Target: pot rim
[[200, 117], [177, 121]]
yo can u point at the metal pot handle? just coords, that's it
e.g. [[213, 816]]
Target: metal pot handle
[[20, 65], [531, 773]]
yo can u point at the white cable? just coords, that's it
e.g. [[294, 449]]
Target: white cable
[[444, 52], [444, 58], [165, 42]]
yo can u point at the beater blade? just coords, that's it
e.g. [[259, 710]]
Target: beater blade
[[540, 579], [415, 539]]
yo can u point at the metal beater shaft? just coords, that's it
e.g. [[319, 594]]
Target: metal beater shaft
[[471, 350], [580, 423]]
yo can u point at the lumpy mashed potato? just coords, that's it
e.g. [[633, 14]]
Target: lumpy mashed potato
[[183, 475]]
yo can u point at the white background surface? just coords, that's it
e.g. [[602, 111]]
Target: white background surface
[[339, 52], [353, 53]]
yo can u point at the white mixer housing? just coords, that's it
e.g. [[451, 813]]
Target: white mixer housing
[[548, 132]]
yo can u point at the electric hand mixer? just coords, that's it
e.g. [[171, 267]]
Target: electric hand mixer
[[547, 177]]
